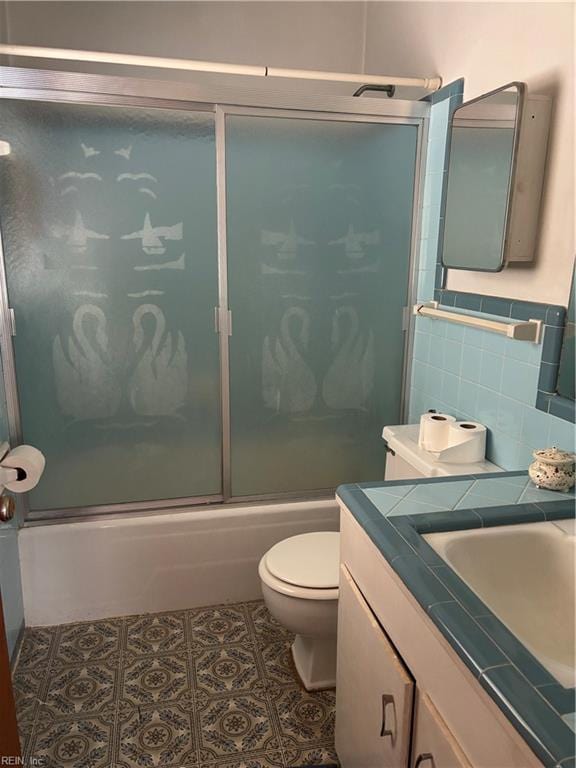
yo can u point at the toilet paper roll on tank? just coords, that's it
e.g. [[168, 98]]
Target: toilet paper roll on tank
[[22, 468], [458, 442], [434, 430]]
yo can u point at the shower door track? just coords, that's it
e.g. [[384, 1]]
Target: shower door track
[[86, 89]]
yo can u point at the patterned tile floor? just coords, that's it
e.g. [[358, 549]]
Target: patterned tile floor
[[206, 688]]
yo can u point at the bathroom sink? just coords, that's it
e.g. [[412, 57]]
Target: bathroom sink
[[525, 576]]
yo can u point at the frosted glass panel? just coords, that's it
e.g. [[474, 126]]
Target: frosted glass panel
[[319, 221], [109, 224]]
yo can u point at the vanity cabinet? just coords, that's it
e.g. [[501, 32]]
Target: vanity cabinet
[[375, 691], [403, 697], [379, 713], [433, 746]]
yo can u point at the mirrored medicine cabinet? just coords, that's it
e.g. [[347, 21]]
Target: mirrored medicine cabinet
[[496, 160]]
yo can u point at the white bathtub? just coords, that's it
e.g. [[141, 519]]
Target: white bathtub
[[96, 569]]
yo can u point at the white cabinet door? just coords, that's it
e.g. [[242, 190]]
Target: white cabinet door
[[434, 746], [374, 692]]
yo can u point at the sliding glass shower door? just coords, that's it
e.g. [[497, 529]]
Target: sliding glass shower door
[[319, 220], [110, 243], [133, 231]]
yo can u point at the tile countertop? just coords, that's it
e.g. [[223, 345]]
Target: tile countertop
[[396, 515]]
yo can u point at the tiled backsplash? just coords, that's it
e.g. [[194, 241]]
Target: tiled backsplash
[[471, 373]]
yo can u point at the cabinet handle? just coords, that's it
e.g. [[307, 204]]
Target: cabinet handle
[[386, 699], [422, 757]]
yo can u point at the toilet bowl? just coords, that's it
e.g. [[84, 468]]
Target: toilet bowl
[[299, 578]]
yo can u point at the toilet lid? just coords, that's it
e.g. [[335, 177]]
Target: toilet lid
[[309, 560]]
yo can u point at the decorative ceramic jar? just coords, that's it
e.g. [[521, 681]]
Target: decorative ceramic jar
[[552, 469]]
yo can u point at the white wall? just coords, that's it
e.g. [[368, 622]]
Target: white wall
[[314, 35], [490, 44]]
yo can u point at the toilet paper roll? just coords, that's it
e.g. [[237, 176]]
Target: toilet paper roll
[[466, 443], [29, 462], [433, 434]]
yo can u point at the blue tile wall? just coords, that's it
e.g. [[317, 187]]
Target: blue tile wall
[[553, 319], [443, 104], [480, 377], [10, 557], [468, 372]]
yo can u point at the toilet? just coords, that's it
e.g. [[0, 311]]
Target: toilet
[[299, 578]]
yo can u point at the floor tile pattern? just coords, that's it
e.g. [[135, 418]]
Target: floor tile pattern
[[206, 688]]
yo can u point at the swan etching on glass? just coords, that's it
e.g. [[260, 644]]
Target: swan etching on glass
[[159, 383], [350, 378], [288, 384], [86, 384]]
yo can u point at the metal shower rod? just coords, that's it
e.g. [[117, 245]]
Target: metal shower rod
[[133, 60]]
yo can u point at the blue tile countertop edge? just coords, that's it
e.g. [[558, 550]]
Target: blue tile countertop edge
[[529, 696]]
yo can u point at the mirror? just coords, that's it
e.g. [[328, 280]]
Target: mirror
[[497, 153], [479, 170], [566, 373]]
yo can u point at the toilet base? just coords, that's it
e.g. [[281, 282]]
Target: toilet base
[[315, 661]]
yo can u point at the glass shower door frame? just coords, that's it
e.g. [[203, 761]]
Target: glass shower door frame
[[76, 88]]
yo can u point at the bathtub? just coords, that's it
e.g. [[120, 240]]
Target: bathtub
[[130, 564]]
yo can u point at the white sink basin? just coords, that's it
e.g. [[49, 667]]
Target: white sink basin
[[525, 575]]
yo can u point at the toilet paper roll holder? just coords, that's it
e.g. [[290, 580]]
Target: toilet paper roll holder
[[7, 475]]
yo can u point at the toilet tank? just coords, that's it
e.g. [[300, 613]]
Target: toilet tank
[[405, 460]]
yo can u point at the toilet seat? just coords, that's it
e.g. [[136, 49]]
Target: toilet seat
[[304, 566], [291, 590]]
